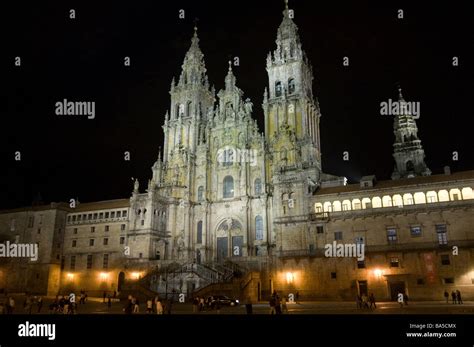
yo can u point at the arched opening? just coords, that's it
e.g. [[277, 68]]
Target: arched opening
[[356, 205], [419, 198], [200, 193], [455, 194], [366, 203], [318, 207], [346, 205], [336, 206], [327, 206], [410, 166], [228, 191], [387, 201], [443, 195], [376, 202], [467, 193], [407, 199], [397, 200], [277, 88], [291, 86], [431, 196]]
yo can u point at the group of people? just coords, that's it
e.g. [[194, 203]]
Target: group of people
[[201, 304], [155, 305], [64, 305], [277, 304], [455, 296], [363, 301], [8, 307]]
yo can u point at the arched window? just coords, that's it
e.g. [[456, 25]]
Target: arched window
[[199, 232], [200, 193], [291, 86], [228, 158], [410, 166], [188, 109], [228, 187], [258, 186], [259, 228], [277, 88]]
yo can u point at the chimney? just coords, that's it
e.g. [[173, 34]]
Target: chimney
[[447, 170]]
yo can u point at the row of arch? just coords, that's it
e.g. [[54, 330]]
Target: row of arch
[[279, 89], [395, 200]]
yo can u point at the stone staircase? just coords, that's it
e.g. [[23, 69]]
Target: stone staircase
[[175, 279]]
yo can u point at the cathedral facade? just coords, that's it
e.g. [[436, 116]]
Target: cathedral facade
[[222, 190]]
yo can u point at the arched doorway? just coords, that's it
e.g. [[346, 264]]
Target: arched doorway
[[230, 239]]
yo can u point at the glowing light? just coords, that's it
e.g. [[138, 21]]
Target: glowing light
[[290, 277], [104, 275], [378, 273], [135, 275], [70, 276]]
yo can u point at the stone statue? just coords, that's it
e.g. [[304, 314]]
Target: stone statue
[[136, 185], [248, 106]]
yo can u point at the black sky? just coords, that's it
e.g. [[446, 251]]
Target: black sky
[[65, 157]]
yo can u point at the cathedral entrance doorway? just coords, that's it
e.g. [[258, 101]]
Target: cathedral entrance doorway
[[222, 248], [230, 239]]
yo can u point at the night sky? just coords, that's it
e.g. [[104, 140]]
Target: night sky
[[81, 59]]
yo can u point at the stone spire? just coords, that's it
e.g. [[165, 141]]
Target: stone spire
[[407, 149], [288, 40], [193, 68], [230, 79]]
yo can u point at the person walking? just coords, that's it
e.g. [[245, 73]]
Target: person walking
[[284, 308], [277, 304], [159, 306], [458, 296], [272, 305], [358, 301], [201, 304], [446, 295], [103, 297], [453, 296], [109, 301], [365, 301], [11, 305], [372, 300], [149, 306], [297, 297]]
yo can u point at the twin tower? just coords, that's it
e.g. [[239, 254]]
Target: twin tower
[[221, 185]]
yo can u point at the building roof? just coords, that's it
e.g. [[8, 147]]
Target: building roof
[[406, 182], [82, 207], [102, 205]]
